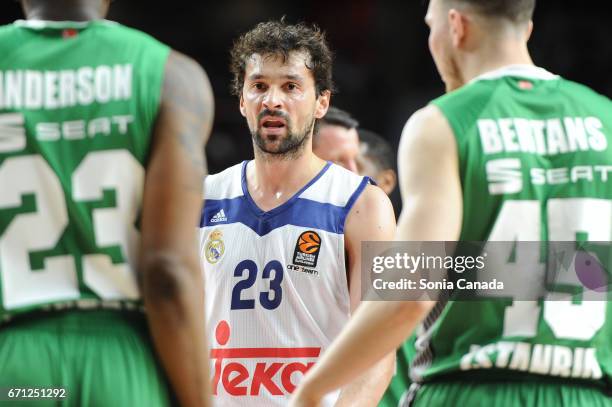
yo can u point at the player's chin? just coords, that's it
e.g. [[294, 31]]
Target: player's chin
[[273, 148], [273, 134], [269, 144]]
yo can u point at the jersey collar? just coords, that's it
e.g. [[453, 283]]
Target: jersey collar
[[42, 24], [274, 211], [522, 71]]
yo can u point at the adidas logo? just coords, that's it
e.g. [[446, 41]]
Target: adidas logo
[[219, 217]]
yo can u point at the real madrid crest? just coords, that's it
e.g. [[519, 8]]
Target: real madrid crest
[[215, 247]]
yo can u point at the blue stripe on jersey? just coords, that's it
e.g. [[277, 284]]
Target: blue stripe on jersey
[[303, 212], [364, 183]]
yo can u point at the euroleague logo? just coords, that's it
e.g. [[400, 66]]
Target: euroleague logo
[[307, 249], [309, 242]]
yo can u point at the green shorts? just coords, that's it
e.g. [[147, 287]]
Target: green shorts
[[100, 357], [400, 382], [531, 393]]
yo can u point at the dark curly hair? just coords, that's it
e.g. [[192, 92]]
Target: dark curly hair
[[280, 38]]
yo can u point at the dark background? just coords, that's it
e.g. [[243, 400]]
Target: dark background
[[382, 69]]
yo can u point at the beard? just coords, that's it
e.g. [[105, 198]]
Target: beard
[[281, 147]]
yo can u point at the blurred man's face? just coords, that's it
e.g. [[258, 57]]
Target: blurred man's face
[[339, 145], [440, 44], [366, 166], [385, 179], [280, 103]]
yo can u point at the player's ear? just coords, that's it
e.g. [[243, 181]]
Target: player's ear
[[387, 180], [458, 26], [105, 6], [242, 109], [529, 29], [322, 104]]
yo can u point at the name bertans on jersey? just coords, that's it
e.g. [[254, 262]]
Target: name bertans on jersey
[[542, 137], [552, 360]]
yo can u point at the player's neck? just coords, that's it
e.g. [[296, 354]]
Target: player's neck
[[495, 56], [65, 10], [273, 182]]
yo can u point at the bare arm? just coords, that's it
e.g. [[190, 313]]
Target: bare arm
[[431, 192], [172, 281], [371, 218]]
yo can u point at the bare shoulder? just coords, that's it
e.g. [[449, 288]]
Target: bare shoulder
[[372, 214], [372, 198], [427, 128], [186, 86], [429, 178], [186, 111], [427, 146], [183, 70]]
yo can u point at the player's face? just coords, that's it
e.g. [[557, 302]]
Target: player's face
[[280, 102], [365, 166], [339, 145], [440, 44], [385, 179]]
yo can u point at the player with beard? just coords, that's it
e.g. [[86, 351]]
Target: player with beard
[[281, 234]]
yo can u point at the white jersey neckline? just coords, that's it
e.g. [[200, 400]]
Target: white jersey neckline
[[522, 71], [40, 24]]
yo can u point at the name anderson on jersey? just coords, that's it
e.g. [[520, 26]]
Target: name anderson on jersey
[[30, 89]]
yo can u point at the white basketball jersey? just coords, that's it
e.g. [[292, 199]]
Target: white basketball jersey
[[276, 285]]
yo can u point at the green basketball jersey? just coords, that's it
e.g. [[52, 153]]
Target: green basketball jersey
[[77, 104], [534, 161]]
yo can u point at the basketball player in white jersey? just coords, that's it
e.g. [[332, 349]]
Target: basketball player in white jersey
[[281, 234]]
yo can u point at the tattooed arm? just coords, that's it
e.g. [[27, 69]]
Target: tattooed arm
[[172, 282]]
